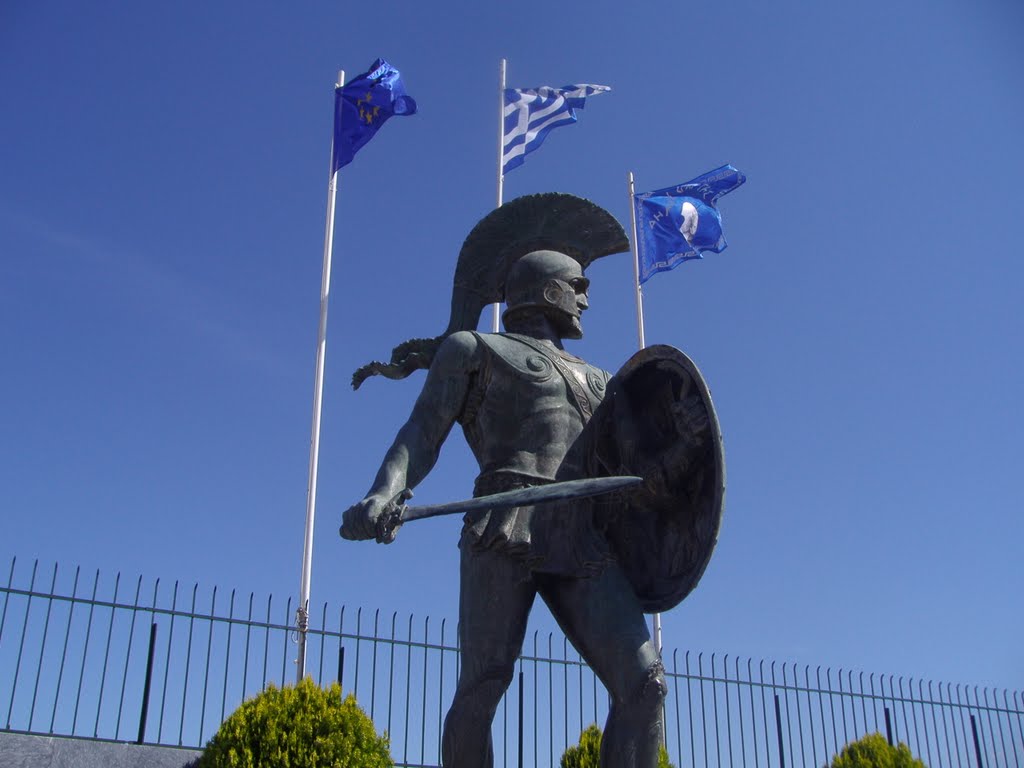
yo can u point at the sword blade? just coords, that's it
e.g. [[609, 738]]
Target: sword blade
[[523, 497]]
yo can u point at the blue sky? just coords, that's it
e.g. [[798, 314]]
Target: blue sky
[[162, 201]]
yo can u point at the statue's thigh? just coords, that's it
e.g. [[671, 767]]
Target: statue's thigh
[[603, 619], [496, 594]]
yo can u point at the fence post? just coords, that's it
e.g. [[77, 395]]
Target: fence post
[[521, 716], [341, 664], [147, 684], [778, 728], [977, 742], [888, 727]]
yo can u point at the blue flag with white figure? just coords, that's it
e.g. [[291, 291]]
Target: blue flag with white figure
[[530, 114], [363, 105], [679, 223]]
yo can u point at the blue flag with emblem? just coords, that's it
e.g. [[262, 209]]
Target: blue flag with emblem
[[363, 105], [530, 114], [679, 223]]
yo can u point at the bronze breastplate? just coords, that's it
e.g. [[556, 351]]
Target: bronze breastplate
[[522, 416]]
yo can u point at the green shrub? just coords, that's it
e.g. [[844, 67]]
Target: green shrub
[[588, 753], [874, 751], [301, 726]]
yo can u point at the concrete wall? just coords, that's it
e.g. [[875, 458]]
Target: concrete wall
[[18, 750]]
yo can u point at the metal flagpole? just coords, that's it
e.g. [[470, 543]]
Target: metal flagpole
[[302, 613], [496, 307], [640, 337], [636, 268]]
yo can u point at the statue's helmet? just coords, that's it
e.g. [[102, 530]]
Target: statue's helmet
[[548, 283], [559, 233]]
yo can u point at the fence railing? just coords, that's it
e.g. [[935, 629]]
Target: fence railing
[[132, 660]]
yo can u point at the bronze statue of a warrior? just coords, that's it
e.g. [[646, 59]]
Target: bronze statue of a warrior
[[534, 414]]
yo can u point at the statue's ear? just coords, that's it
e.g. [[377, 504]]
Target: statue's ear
[[553, 292]]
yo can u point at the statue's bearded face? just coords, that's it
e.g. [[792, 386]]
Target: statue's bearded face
[[552, 284], [567, 296]]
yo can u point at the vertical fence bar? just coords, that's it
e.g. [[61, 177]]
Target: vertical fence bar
[[789, 721], [810, 714], [991, 735], [167, 663], [714, 710], [1009, 725], [285, 639], [106, 655], [85, 650], [188, 662], [728, 713], [924, 722], [248, 637], [739, 708], [888, 728], [227, 656], [373, 661], [408, 678], [778, 729], [954, 712], [977, 743], [21, 643], [551, 701], [536, 665], [146, 685], [520, 739], [127, 657], [391, 667], [753, 712], [703, 711], [359, 622], [423, 705], [206, 670], [440, 696], [323, 635], [42, 649]]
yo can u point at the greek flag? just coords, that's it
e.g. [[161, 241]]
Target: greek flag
[[678, 223], [363, 105], [531, 113]]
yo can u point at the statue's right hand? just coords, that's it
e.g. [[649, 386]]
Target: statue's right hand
[[359, 522], [375, 517]]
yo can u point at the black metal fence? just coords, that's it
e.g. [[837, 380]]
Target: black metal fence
[[131, 660]]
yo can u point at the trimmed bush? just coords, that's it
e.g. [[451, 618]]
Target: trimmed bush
[[588, 753], [301, 726], [873, 751]]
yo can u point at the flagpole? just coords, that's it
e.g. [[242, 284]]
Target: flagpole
[[636, 268], [302, 613], [496, 307], [640, 336]]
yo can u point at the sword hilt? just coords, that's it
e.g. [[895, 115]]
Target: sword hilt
[[390, 519]]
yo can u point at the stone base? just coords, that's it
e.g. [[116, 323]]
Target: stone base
[[19, 750]]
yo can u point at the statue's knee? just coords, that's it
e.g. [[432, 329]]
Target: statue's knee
[[650, 691], [485, 690]]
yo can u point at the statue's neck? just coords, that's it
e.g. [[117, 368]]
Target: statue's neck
[[537, 326]]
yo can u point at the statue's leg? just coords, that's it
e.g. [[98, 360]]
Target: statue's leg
[[603, 619], [496, 594]]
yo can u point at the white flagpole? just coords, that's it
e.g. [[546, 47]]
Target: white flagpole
[[302, 613], [496, 307], [636, 268], [640, 337]]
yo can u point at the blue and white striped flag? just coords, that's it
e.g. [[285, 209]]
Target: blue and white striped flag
[[531, 113]]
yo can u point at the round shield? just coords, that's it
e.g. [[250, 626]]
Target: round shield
[[657, 421]]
